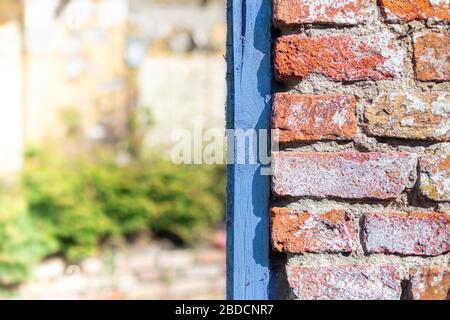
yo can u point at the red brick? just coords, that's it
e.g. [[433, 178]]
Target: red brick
[[415, 115], [434, 180], [338, 57], [342, 174], [418, 233], [408, 10], [430, 283], [296, 231], [313, 117], [345, 282], [432, 57], [297, 12]]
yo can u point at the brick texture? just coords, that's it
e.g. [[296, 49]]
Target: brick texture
[[432, 57], [313, 117], [295, 231], [344, 175], [338, 57], [361, 179], [296, 12], [430, 283], [419, 233], [435, 177], [408, 10], [412, 115], [345, 282]]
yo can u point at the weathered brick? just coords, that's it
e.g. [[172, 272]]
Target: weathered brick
[[418, 233], [345, 282], [430, 283], [420, 116], [297, 12], [338, 57], [408, 10], [297, 231], [432, 56], [435, 177], [313, 117], [342, 174]]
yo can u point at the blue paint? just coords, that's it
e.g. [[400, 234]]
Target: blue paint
[[248, 107]]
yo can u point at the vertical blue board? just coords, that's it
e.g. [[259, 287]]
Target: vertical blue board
[[248, 107]]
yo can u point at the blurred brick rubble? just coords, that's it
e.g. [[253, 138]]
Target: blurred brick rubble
[[142, 271]]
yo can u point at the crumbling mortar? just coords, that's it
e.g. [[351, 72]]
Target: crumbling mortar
[[364, 143]]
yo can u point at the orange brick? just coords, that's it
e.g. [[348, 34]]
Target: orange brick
[[338, 57], [297, 12], [432, 56], [430, 283], [296, 231], [434, 180], [412, 115], [408, 10], [313, 117]]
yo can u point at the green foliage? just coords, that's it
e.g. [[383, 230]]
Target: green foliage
[[188, 199], [82, 203], [72, 206], [21, 245], [120, 192], [63, 205]]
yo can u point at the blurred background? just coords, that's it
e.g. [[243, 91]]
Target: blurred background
[[91, 206]]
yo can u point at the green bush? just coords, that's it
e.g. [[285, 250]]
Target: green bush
[[81, 203], [63, 205], [188, 200], [121, 194], [21, 245]]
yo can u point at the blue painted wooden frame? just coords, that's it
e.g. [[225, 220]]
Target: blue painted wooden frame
[[249, 79]]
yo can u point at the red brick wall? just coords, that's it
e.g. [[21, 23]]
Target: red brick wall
[[361, 184]]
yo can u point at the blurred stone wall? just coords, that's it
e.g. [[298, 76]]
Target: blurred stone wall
[[77, 79], [77, 67], [178, 48], [11, 72]]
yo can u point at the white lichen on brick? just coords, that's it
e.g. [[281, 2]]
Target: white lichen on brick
[[404, 234], [319, 10], [440, 182], [410, 115], [437, 3], [443, 128], [441, 106], [416, 103], [342, 175], [435, 177], [431, 56], [345, 283], [393, 54], [297, 231], [408, 122], [324, 236], [297, 115], [340, 118]]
